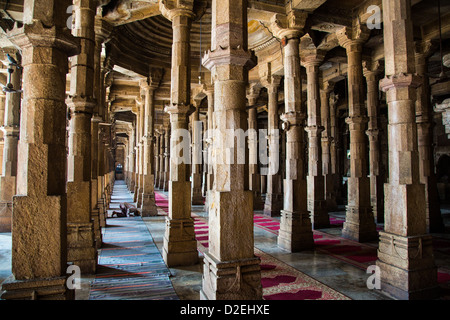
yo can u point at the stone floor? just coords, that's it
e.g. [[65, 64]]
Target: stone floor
[[341, 276]]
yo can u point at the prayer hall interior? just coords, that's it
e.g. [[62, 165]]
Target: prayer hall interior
[[225, 150]]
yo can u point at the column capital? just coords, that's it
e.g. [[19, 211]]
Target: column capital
[[327, 86], [38, 35], [400, 81], [103, 29], [312, 57], [372, 68], [179, 108], [229, 56], [172, 8], [271, 82], [292, 119], [288, 26], [352, 38]]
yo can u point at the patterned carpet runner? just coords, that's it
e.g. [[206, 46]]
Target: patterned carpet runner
[[130, 264]]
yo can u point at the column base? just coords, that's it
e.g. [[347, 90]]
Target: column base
[[98, 238], [5, 216], [319, 214], [148, 208], [407, 268], [197, 198], [81, 250], [37, 289], [295, 233], [180, 246], [359, 225], [273, 205], [231, 280]]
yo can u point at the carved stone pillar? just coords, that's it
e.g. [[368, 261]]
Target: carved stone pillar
[[359, 222], [140, 161], [317, 205], [80, 237], [162, 148], [156, 158], [327, 142], [424, 119], [166, 155], [10, 128], [254, 177], [371, 73], [197, 196], [148, 207], [295, 225], [405, 253], [231, 270], [180, 246], [102, 32], [274, 196], [209, 142], [39, 237]]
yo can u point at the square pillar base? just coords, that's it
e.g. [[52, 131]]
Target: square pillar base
[[37, 289], [180, 246], [295, 233], [231, 280], [407, 269]]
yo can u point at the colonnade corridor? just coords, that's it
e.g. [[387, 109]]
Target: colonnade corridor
[[131, 267], [224, 150]]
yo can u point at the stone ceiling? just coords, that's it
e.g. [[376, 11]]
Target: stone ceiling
[[142, 39]]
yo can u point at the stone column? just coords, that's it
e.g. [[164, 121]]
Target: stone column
[[274, 197], [327, 141], [140, 154], [39, 237], [166, 155], [102, 31], [162, 142], [254, 177], [80, 228], [180, 246], [10, 130], [424, 119], [197, 196], [371, 73], [295, 225], [317, 205], [156, 157], [148, 207], [405, 253], [231, 270], [359, 222], [209, 142]]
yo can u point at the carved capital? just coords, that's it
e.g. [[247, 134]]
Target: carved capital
[[353, 38], [290, 25], [172, 8]]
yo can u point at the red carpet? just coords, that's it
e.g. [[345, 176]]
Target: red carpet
[[357, 254]]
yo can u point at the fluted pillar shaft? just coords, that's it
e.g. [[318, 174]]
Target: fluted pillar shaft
[[197, 196]]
